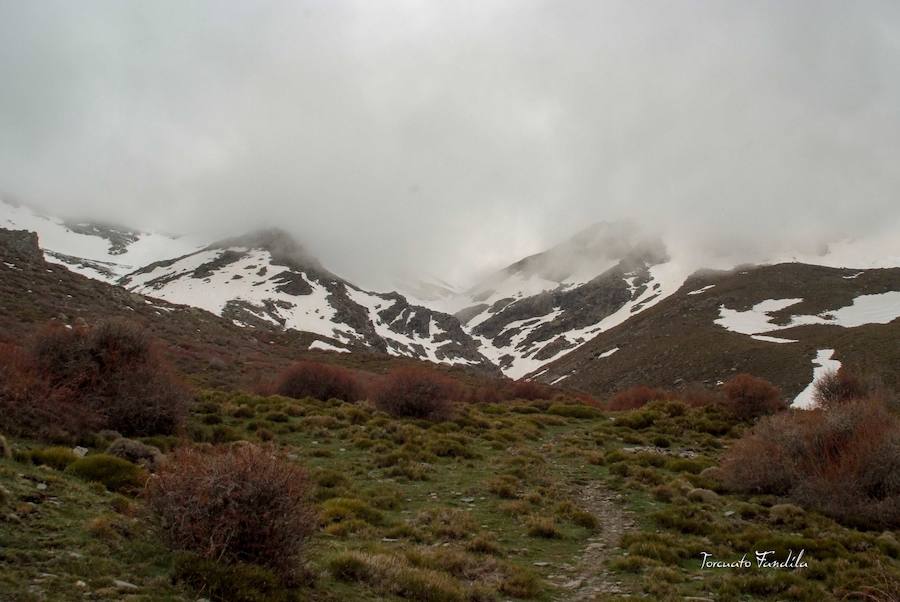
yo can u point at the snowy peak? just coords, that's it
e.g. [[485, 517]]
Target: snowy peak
[[268, 278], [282, 247], [584, 256], [546, 305], [93, 249]]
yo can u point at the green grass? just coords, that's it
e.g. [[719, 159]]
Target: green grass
[[485, 506]]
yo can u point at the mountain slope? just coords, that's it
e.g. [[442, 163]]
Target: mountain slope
[[266, 278], [546, 305], [773, 321], [208, 348], [96, 250]]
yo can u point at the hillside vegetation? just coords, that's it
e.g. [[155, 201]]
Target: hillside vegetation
[[533, 499]]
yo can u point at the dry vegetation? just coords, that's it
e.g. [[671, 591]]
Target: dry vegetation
[[413, 486], [68, 381]]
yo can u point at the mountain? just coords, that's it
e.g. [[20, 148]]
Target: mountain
[[212, 350], [267, 278], [96, 250], [546, 305], [608, 308], [260, 278], [781, 321]]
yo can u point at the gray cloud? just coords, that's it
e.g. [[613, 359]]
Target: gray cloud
[[453, 137]]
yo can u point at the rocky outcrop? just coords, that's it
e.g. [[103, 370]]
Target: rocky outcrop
[[20, 244]]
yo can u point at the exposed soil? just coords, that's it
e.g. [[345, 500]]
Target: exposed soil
[[588, 577]]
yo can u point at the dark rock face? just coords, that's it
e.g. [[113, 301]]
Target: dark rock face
[[119, 238], [20, 244], [578, 308]]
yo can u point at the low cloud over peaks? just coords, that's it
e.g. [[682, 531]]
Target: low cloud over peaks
[[456, 138]]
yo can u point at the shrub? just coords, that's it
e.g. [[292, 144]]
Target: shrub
[[72, 380], [115, 473], [30, 406], [750, 397], [392, 574], [337, 510], [416, 393], [238, 582], [842, 461], [54, 457], [571, 410], [637, 397], [838, 386], [528, 390], [136, 452], [543, 526], [319, 381], [236, 504]]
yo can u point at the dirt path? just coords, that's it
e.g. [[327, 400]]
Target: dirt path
[[588, 578]]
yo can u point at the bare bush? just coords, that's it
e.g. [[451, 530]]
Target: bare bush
[[70, 380], [31, 406], [637, 397], [235, 504], [528, 390], [319, 381], [416, 393], [843, 461], [750, 397], [838, 386]]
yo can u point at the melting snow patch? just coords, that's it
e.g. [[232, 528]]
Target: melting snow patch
[[880, 308], [865, 309], [607, 353], [754, 320], [323, 346], [560, 379], [823, 364], [762, 337], [702, 290], [852, 276]]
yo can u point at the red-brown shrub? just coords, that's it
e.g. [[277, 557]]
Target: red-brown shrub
[[637, 397], [843, 461], [485, 394], [70, 380], [30, 406], [319, 381], [696, 395], [238, 503], [838, 386], [750, 397], [529, 391], [416, 393]]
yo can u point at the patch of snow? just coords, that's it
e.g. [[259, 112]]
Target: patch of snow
[[607, 353], [702, 290], [852, 276], [762, 337], [560, 379], [323, 346], [880, 308], [823, 364], [755, 319]]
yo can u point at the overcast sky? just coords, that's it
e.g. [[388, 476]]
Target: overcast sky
[[452, 137]]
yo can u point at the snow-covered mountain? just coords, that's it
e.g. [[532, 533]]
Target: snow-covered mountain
[[546, 305], [268, 277], [788, 322], [572, 315], [96, 250]]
